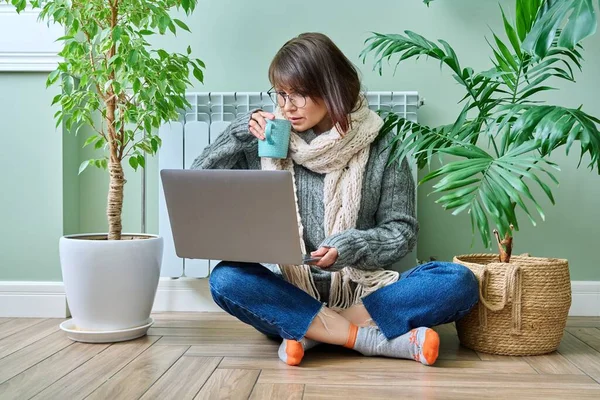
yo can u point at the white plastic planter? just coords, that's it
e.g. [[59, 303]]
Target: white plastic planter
[[110, 284]]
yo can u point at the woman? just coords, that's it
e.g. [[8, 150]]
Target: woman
[[355, 212]]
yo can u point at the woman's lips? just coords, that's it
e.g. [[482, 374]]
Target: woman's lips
[[295, 120]]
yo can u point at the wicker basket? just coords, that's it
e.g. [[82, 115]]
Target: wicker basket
[[523, 305]]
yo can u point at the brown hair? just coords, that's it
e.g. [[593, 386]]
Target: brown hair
[[312, 65]]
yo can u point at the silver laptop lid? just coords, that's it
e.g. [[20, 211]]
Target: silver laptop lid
[[234, 215]]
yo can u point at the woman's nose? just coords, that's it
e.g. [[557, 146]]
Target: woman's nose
[[288, 106]]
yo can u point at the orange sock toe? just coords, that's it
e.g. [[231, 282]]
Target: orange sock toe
[[293, 352], [431, 346]]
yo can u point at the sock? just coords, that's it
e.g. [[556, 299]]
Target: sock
[[420, 344], [291, 352]]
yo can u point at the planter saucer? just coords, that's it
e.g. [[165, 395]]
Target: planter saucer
[[119, 335]]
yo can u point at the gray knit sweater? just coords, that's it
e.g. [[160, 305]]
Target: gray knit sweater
[[386, 229]]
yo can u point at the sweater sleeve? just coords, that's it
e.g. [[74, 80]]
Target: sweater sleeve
[[227, 151], [395, 232]]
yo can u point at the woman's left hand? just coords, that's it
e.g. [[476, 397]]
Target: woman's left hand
[[329, 256]]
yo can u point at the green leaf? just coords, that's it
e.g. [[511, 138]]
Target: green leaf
[[506, 53], [56, 99], [181, 25], [116, 33], [90, 140], [162, 54], [67, 83], [133, 58], [146, 32], [141, 160], [136, 85], [133, 161], [189, 50], [52, 77], [101, 141], [198, 74], [511, 34], [581, 23], [482, 223]]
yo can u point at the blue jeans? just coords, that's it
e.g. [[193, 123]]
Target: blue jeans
[[427, 295]]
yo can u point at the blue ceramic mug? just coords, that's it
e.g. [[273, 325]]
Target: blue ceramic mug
[[277, 139]]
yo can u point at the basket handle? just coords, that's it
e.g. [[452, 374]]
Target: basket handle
[[511, 292]]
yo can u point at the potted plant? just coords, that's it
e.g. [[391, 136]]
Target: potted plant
[[116, 83], [496, 149]]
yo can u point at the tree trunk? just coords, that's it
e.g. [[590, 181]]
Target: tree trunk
[[115, 200], [505, 245], [114, 204]]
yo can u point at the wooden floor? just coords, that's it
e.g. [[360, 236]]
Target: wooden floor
[[213, 356]]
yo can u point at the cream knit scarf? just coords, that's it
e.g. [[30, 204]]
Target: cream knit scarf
[[342, 159]]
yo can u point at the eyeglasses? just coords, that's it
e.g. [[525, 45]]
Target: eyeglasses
[[280, 98]]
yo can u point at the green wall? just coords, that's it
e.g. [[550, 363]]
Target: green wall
[[31, 204], [237, 40]]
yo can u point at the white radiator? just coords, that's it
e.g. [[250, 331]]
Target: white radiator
[[209, 115]]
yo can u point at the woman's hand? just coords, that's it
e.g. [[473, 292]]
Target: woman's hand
[[329, 256], [258, 123]]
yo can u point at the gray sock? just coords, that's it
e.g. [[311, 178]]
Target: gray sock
[[420, 344], [309, 343]]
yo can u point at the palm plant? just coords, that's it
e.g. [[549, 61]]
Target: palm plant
[[502, 137]]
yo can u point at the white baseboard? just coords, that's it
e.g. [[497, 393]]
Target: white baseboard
[[48, 299], [586, 299], [33, 299], [183, 294]]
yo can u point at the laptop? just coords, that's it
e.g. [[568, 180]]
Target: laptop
[[233, 215]]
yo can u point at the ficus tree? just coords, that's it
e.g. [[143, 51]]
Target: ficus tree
[[115, 82]]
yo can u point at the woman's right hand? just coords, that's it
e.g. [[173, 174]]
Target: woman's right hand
[[258, 123]]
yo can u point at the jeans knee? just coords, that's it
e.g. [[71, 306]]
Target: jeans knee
[[466, 282], [223, 277]]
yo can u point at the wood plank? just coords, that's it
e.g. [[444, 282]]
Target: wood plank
[[194, 316], [23, 359], [229, 384], [87, 377], [35, 379], [237, 334], [184, 379], [446, 379], [268, 391], [496, 357], [233, 349], [314, 392], [589, 336], [201, 340], [581, 355], [16, 325], [583, 322], [201, 323], [361, 363], [29, 335], [553, 363], [138, 376]]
